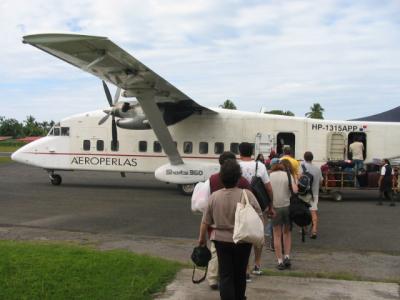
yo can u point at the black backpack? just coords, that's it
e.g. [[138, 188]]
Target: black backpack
[[305, 182], [299, 211], [259, 191]]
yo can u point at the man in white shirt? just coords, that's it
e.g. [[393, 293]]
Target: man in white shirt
[[357, 150], [249, 166], [386, 183]]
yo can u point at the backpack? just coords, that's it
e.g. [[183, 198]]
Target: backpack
[[259, 191], [305, 182], [299, 211]]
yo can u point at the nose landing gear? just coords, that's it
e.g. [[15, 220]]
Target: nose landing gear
[[55, 179]]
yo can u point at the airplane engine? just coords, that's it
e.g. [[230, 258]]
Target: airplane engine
[[137, 123]]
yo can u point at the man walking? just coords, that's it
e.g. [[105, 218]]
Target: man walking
[[315, 171], [386, 183], [249, 167]]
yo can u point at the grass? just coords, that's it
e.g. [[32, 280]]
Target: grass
[[55, 271], [10, 145], [5, 159], [327, 275]]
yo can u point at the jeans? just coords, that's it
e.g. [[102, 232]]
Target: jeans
[[232, 260], [358, 165]]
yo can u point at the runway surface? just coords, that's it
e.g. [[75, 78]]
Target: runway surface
[[139, 205]]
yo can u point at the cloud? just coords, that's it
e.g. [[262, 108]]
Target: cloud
[[278, 54]]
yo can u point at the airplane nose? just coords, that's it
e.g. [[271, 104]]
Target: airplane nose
[[17, 156]]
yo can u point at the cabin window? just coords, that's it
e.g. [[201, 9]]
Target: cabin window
[[86, 145], [187, 147], [114, 145], [65, 131], [142, 146], [57, 131], [284, 140], [218, 148], [157, 146], [100, 145], [235, 148], [203, 147], [354, 136]]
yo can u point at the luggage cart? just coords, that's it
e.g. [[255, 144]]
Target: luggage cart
[[335, 183]]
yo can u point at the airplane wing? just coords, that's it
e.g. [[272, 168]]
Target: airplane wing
[[104, 59]]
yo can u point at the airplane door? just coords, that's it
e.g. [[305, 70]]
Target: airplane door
[[336, 146], [264, 143]]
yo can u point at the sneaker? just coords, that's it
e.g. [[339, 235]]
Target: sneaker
[[256, 270], [286, 262], [313, 236], [248, 278], [281, 266], [392, 204]]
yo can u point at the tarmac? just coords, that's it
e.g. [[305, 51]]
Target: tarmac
[[285, 288]]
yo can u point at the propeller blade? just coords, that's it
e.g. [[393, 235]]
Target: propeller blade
[[117, 95], [108, 94], [114, 134], [103, 119]]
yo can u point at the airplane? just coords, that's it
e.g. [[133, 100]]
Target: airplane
[[156, 128]]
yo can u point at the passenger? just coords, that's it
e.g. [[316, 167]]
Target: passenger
[[215, 185], [281, 223], [248, 166], [271, 156], [317, 181], [357, 150], [220, 215], [386, 183], [260, 158], [288, 155], [396, 181]]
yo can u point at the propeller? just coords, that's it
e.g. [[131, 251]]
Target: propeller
[[111, 112]]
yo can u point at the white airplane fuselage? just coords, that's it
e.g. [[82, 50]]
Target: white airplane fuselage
[[81, 144]]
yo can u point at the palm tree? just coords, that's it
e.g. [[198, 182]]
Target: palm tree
[[228, 104], [315, 112]]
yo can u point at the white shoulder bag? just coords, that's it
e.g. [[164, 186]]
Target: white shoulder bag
[[248, 227]]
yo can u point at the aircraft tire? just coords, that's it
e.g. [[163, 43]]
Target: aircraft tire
[[56, 179], [186, 189], [337, 196]]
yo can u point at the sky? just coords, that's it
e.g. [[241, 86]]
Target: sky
[[283, 55]]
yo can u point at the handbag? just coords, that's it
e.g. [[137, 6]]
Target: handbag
[[201, 255], [249, 227], [200, 196], [259, 191]]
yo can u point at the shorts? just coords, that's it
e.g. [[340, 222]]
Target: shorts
[[282, 216], [314, 203]]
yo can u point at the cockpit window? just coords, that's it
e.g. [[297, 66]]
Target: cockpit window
[[65, 131], [57, 131]]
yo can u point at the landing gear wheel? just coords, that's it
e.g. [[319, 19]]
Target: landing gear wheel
[[337, 196], [55, 179], [186, 189]]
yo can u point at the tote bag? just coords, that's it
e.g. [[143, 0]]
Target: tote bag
[[248, 227]]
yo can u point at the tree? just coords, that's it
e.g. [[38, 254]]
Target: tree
[[228, 104], [280, 112], [315, 112], [32, 127], [10, 127]]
